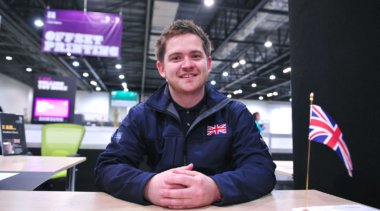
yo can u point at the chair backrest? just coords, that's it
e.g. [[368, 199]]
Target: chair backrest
[[61, 139]]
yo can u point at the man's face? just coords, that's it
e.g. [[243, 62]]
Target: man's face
[[185, 65], [9, 148]]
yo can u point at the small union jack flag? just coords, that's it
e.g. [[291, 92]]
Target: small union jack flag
[[217, 129], [324, 130]]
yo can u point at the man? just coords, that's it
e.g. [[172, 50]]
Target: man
[[202, 148], [8, 148]]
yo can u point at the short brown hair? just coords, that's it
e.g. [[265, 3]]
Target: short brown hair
[[180, 27]]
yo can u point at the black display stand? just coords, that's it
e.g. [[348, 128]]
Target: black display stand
[[12, 134], [335, 53]]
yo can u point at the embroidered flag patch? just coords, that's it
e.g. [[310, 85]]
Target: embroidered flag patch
[[217, 129]]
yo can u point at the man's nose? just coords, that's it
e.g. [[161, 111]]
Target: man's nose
[[187, 63]]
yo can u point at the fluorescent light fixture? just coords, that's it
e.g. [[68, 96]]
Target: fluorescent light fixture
[[272, 77], [38, 23], [29, 69], [268, 44], [85, 74], [242, 62], [275, 93], [94, 83], [98, 89], [118, 66], [225, 74], [235, 65], [75, 64], [269, 95], [68, 54], [229, 95], [254, 85], [213, 82], [121, 76], [209, 2], [261, 98], [286, 70], [124, 84], [8, 58]]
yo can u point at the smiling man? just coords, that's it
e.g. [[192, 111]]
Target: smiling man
[[202, 148]]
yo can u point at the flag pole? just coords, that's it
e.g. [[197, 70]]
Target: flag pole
[[308, 157]]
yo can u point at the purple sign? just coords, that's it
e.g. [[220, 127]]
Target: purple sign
[[82, 33], [50, 107]]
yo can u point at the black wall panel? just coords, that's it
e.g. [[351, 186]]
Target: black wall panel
[[335, 53]]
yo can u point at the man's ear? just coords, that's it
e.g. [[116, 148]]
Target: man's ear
[[160, 67], [209, 64]]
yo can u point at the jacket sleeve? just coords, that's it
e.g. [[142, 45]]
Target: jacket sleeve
[[116, 171], [253, 174]]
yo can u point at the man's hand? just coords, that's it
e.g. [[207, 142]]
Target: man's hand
[[201, 190], [156, 183]]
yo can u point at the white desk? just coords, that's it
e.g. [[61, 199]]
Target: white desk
[[34, 169], [284, 167], [75, 201]]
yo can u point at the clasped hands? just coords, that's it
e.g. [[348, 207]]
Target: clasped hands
[[181, 188]]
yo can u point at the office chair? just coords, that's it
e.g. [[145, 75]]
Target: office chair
[[61, 140]]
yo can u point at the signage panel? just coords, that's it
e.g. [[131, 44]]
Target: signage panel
[[82, 33]]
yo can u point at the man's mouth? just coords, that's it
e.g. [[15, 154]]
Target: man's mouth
[[187, 76]]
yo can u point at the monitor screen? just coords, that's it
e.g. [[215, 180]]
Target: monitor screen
[[51, 107]]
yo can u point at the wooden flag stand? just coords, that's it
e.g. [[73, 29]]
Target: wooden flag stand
[[308, 158]]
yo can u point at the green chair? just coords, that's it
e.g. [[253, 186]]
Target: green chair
[[61, 140]]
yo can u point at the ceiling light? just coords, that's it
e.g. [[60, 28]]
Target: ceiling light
[[121, 76], [118, 66], [236, 92], [94, 83], [229, 95], [68, 54], [235, 65], [242, 62], [272, 77], [8, 58], [268, 44], [286, 70], [209, 2], [261, 98], [126, 89], [124, 84], [75, 64], [213, 82], [269, 95], [240, 91], [29, 69], [85, 74], [290, 99], [225, 74], [275, 93], [254, 85], [38, 23], [98, 89]]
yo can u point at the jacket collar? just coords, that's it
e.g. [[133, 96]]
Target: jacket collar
[[160, 100]]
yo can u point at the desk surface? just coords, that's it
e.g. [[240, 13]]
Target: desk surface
[[284, 167], [73, 201], [38, 163]]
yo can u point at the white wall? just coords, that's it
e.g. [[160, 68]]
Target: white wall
[[15, 97], [93, 105], [276, 116]]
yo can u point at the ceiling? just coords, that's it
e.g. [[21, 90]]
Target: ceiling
[[237, 29]]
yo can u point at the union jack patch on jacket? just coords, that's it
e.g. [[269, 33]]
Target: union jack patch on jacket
[[217, 129]]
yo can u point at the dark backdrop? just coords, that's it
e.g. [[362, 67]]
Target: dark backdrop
[[335, 53]]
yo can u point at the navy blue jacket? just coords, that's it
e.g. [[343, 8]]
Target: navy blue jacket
[[238, 161]]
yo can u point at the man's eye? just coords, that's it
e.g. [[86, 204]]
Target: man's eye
[[175, 58]]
